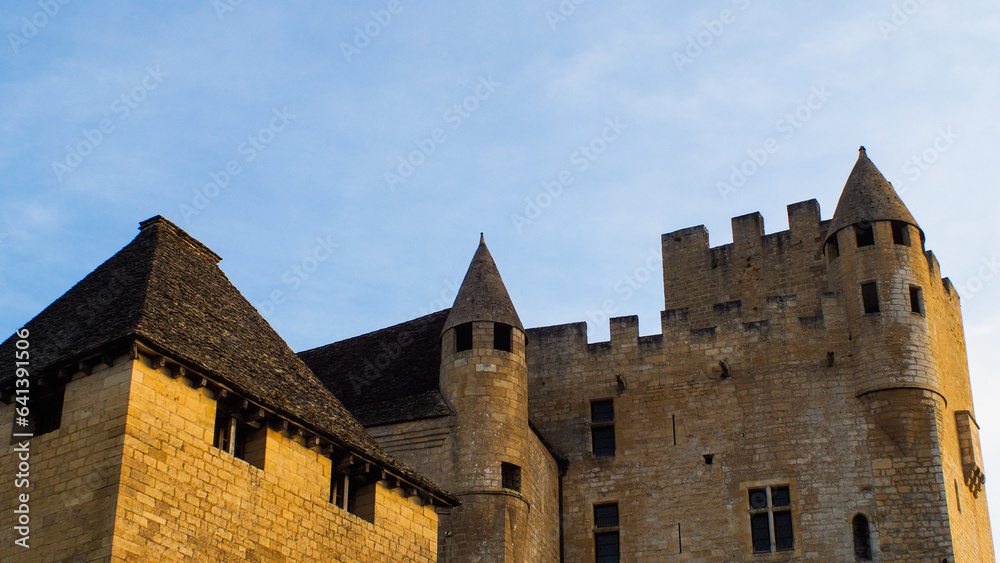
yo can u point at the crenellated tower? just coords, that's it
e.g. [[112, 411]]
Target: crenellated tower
[[484, 380], [907, 359]]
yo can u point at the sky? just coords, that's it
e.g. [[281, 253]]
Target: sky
[[343, 157]]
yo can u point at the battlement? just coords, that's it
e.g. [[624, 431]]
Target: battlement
[[754, 267]]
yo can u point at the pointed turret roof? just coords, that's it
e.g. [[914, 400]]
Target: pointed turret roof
[[868, 197], [483, 296], [166, 291]]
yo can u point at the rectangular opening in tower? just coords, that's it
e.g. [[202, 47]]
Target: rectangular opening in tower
[[502, 337], [916, 300], [463, 337], [510, 476], [832, 248], [869, 296], [900, 233], [865, 235]]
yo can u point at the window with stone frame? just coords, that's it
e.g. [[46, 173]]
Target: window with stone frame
[[771, 519], [243, 440], [602, 427], [606, 536]]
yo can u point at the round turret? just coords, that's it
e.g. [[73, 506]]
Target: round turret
[[875, 258]]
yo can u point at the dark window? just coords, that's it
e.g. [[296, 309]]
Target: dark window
[[900, 233], [510, 476], [869, 296], [602, 419], [862, 538], [353, 495], [463, 337], [502, 337], [865, 235], [45, 412], [771, 519], [606, 547], [243, 440], [832, 248], [916, 299], [606, 515], [605, 533], [602, 411]]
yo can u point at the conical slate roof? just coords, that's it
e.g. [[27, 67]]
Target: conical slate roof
[[483, 296], [868, 197], [165, 289]]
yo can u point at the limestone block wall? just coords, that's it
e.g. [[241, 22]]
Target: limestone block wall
[[182, 499], [75, 472]]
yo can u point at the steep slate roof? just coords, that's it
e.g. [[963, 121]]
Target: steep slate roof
[[165, 290], [868, 197], [483, 296], [390, 375]]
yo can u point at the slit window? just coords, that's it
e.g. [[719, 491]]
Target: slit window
[[916, 300], [869, 297], [463, 337], [900, 233], [832, 247], [602, 427], [865, 234], [241, 439], [510, 476], [771, 519], [862, 538], [502, 337], [606, 538]]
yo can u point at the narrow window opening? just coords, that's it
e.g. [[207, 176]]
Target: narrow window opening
[[708, 458], [353, 495], [832, 248], [916, 300], [238, 438], [771, 519], [900, 233], [862, 538], [606, 539], [958, 497], [510, 476], [869, 296], [865, 234], [502, 337], [463, 337], [602, 419]]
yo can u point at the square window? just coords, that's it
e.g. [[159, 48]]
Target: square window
[[606, 515], [900, 233], [510, 476], [45, 414], [238, 438], [602, 411]]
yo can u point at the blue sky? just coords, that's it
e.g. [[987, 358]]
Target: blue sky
[[348, 155]]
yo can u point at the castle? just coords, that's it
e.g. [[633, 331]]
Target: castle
[[808, 398]]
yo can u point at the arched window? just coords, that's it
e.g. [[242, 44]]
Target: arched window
[[862, 538]]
